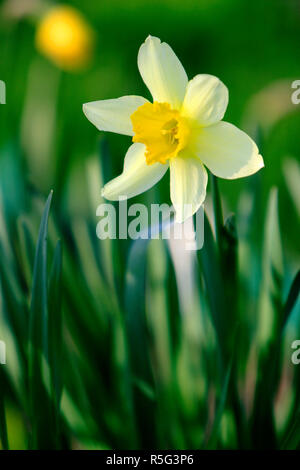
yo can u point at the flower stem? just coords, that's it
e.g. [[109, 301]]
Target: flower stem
[[218, 213]]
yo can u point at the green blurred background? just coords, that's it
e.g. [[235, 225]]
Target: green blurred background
[[110, 397]]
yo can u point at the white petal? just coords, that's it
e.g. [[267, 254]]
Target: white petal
[[162, 72], [137, 176], [188, 185], [228, 152], [206, 99], [113, 115]]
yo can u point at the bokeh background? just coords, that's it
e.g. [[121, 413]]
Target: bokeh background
[[132, 355]]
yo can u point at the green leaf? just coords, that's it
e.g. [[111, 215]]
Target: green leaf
[[292, 440], [292, 298], [209, 267], [229, 266], [138, 345], [269, 334], [26, 249], [270, 302], [55, 334], [38, 339], [220, 408]]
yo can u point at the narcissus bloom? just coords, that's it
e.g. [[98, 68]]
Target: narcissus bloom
[[182, 130], [65, 37]]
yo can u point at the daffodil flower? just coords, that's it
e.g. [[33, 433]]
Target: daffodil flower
[[182, 130]]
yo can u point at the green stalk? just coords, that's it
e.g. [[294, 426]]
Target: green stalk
[[226, 241], [218, 213]]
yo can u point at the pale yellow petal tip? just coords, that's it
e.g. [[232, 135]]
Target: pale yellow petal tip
[[89, 114], [152, 38], [105, 193], [181, 216], [262, 163], [150, 41], [110, 195], [259, 164], [256, 164], [84, 108]]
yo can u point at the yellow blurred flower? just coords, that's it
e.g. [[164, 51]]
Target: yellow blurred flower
[[65, 37]]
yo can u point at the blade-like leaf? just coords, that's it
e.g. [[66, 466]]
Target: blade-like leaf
[[269, 335], [211, 270], [220, 409], [292, 298], [38, 338], [55, 333], [270, 302], [137, 341]]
